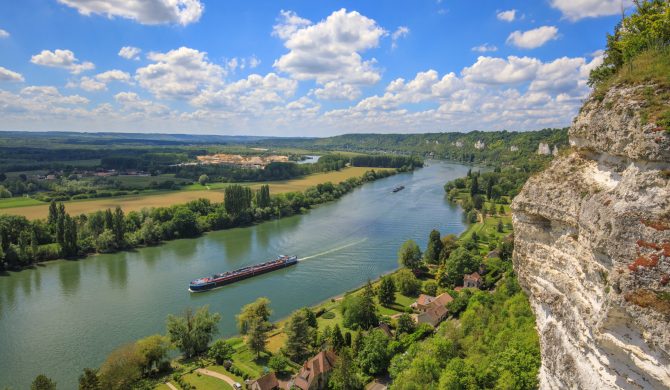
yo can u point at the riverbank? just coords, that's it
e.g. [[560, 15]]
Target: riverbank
[[34, 209], [151, 226], [329, 313]]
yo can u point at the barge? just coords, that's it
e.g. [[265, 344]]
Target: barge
[[217, 280]]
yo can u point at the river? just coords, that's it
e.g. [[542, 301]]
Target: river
[[60, 317]]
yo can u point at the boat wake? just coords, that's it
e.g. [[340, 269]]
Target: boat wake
[[339, 248]]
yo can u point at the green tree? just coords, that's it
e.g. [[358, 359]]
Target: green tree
[[203, 179], [278, 363], [263, 196], [500, 227], [122, 368], [407, 283], [88, 380], [449, 243], [119, 227], [299, 337], [192, 332], [434, 248], [4, 192], [386, 291], [220, 351], [237, 199], [184, 222], [374, 357], [405, 323], [409, 255], [153, 350], [460, 262], [336, 338], [430, 287], [43, 382], [258, 309], [345, 373], [257, 335]]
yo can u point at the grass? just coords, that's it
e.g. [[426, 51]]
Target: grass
[[6, 203], [649, 67], [205, 382], [169, 198]]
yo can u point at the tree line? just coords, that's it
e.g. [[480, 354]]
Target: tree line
[[24, 242]]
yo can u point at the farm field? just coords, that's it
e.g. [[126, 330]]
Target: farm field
[[33, 209]]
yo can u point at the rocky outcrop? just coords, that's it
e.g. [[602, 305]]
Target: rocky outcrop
[[592, 249]]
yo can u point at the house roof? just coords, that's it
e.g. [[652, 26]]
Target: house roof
[[442, 299], [433, 315], [322, 363], [267, 382], [475, 277]]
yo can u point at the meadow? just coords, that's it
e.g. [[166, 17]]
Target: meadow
[[33, 209]]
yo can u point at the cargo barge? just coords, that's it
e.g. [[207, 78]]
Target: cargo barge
[[218, 280]]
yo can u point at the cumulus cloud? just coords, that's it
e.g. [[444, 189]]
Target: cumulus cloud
[[495, 71], [256, 92], [507, 16], [400, 32], [335, 90], [179, 74], [9, 75], [579, 9], [64, 59], [100, 81], [534, 38], [130, 52], [242, 63], [150, 12], [3, 34], [485, 47], [330, 49]]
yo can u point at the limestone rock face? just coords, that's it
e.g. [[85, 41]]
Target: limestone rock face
[[592, 249]]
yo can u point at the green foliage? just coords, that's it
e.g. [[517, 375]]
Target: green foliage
[[122, 368], [374, 356], [257, 335], [407, 283], [359, 310], [258, 309], [88, 380], [386, 291], [300, 336], [203, 179], [409, 255], [345, 375], [434, 248], [460, 262], [386, 161], [43, 382], [278, 364], [220, 351], [237, 199], [192, 332], [153, 351], [405, 324]]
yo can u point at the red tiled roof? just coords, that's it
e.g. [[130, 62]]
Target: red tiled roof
[[266, 382], [322, 363]]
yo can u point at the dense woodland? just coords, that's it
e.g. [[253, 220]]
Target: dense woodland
[[25, 242]]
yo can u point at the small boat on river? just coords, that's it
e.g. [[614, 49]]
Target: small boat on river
[[399, 188], [217, 280]]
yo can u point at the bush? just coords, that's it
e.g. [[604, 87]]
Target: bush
[[329, 315], [407, 283]]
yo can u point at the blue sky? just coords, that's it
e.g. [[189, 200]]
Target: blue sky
[[311, 68]]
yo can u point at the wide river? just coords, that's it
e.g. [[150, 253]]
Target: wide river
[[67, 315]]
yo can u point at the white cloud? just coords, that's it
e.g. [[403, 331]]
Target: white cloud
[[507, 16], [254, 62], [131, 102], [485, 47], [579, 9], [90, 85], [400, 32], [130, 52], [492, 71], [150, 12], [253, 94], [3, 34], [9, 75], [534, 38], [289, 23], [329, 50], [335, 90], [100, 81], [181, 73], [241, 63], [61, 59], [113, 75]]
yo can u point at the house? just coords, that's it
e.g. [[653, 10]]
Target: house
[[431, 310], [472, 280], [266, 382], [314, 372]]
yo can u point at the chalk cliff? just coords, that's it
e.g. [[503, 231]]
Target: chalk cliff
[[592, 249]]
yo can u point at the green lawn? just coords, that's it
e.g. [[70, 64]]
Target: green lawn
[[222, 370], [6, 203], [246, 361], [205, 382]]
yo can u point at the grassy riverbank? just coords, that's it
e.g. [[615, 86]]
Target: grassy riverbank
[[34, 209]]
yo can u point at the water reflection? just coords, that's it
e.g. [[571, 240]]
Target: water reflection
[[117, 270], [70, 276]]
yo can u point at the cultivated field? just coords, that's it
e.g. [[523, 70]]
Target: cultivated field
[[33, 209]]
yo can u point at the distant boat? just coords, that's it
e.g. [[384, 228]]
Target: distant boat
[[218, 280], [400, 188]]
